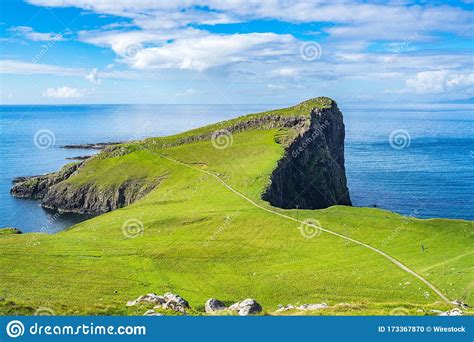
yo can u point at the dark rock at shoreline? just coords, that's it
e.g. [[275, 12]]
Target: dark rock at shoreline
[[10, 231], [79, 158], [96, 146]]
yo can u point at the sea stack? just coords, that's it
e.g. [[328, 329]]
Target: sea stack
[[312, 175]]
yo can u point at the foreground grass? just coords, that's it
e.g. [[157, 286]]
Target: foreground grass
[[200, 240]]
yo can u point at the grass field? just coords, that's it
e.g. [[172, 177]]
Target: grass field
[[201, 240]]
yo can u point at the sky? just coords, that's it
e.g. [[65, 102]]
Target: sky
[[366, 53]]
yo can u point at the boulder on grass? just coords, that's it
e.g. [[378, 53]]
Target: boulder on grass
[[213, 305], [150, 298], [246, 307]]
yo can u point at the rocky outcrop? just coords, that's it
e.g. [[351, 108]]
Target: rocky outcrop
[[61, 196], [93, 200], [168, 301], [311, 175], [36, 187], [150, 298], [9, 231], [304, 307], [96, 146]]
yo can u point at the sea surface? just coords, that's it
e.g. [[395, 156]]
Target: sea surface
[[417, 163]]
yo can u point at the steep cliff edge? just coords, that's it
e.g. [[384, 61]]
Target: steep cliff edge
[[312, 175]]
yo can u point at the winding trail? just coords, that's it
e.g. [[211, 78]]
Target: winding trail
[[255, 204]]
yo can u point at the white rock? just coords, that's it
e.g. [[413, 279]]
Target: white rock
[[304, 307], [148, 298], [452, 312], [309, 307], [152, 313], [246, 307]]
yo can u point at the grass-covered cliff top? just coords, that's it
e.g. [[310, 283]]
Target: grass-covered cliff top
[[301, 110]]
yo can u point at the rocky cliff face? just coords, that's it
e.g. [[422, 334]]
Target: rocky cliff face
[[36, 187], [311, 175], [62, 196], [88, 199]]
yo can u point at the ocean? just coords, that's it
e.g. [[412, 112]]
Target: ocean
[[417, 163]]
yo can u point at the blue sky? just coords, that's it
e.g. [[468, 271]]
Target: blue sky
[[277, 51]]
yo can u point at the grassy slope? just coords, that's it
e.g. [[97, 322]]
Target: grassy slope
[[201, 241]]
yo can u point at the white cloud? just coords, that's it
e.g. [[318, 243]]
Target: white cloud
[[190, 48], [369, 21], [410, 44], [63, 93], [438, 81], [286, 72], [93, 77], [13, 67], [28, 33], [275, 86], [8, 66]]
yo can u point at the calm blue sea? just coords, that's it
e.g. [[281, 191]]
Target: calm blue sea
[[428, 172]]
